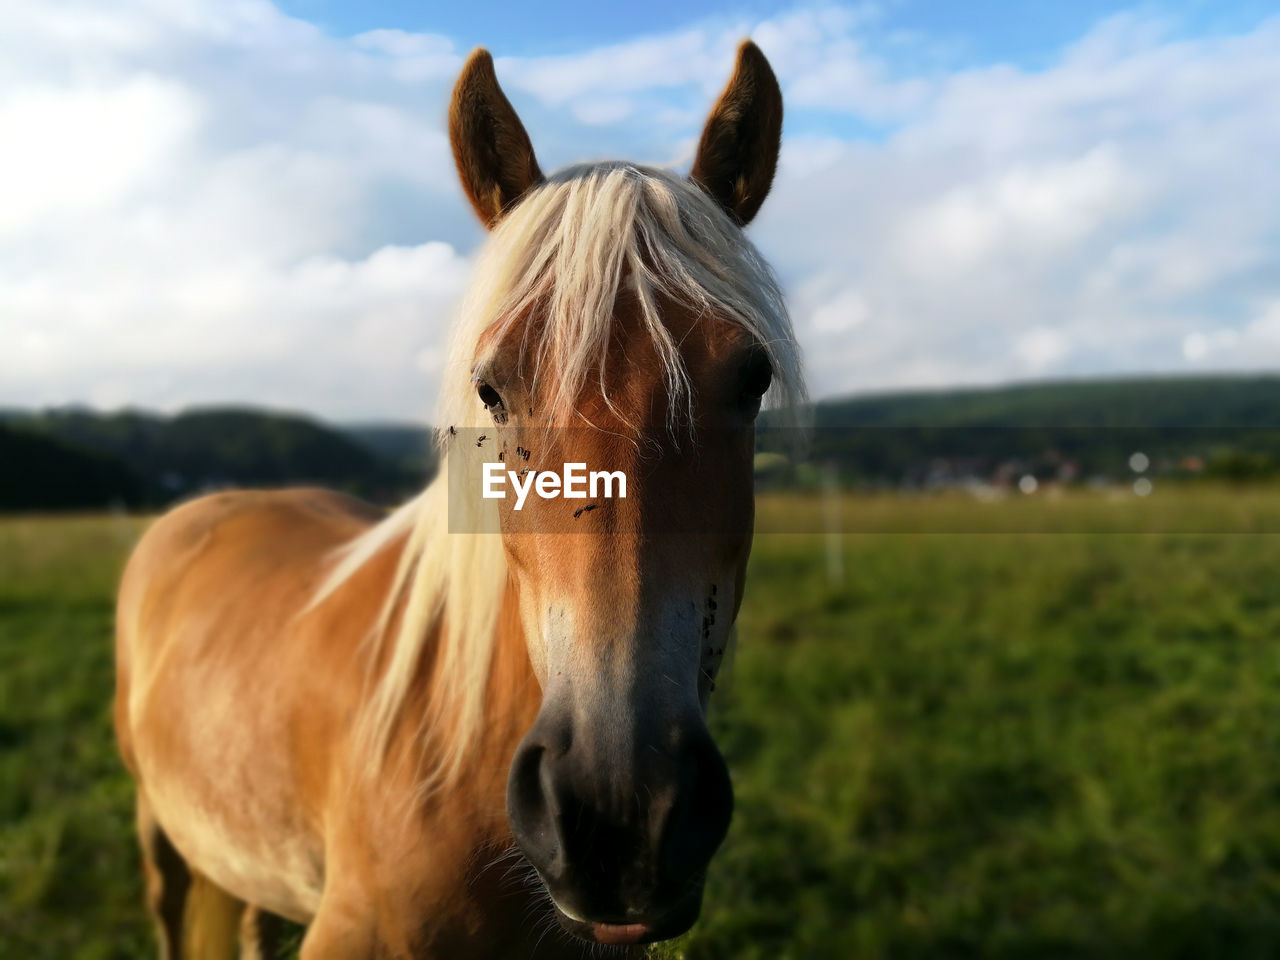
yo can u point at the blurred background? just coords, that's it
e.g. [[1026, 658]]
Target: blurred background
[[1007, 682]]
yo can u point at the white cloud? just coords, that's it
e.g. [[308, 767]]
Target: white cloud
[[1017, 211], [270, 217], [205, 202], [326, 334], [68, 151], [1040, 348], [823, 64], [638, 66], [840, 314], [1253, 346], [1087, 218]]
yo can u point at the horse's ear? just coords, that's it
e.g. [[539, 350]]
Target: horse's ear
[[738, 153], [493, 153]]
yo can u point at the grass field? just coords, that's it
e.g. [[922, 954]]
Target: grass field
[[993, 745]]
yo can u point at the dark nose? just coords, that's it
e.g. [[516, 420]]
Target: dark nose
[[619, 833]]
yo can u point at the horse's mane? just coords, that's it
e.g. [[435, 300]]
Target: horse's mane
[[564, 253]]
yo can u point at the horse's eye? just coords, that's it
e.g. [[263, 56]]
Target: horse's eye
[[488, 396], [757, 375]]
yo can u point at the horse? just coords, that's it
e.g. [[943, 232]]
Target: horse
[[459, 729]]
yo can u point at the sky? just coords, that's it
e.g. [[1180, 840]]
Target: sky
[[234, 201]]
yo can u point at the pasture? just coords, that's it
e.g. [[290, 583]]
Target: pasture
[[974, 745]]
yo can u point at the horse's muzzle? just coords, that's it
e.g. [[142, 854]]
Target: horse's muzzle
[[620, 828]]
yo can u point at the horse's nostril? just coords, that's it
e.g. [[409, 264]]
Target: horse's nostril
[[699, 818], [619, 837], [528, 806]]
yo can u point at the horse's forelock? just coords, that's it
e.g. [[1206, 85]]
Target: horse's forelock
[[572, 247]]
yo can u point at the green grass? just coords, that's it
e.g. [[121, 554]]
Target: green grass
[[69, 878], [998, 745]]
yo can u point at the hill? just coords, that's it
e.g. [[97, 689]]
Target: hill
[[1231, 402], [1219, 426], [39, 473], [410, 446], [208, 449], [1072, 430]]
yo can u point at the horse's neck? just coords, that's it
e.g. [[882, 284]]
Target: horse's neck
[[512, 693], [512, 699]]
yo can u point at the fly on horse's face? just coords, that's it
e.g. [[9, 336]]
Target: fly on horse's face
[[617, 795]]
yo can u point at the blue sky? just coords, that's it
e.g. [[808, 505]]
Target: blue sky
[[962, 33], [203, 202]]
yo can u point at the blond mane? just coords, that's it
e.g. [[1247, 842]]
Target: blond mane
[[565, 253]]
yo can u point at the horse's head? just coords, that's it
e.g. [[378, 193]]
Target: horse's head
[[622, 321]]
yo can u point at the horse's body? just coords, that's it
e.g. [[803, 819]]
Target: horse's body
[[425, 743], [258, 782]]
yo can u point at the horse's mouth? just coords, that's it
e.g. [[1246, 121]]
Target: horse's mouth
[[670, 923]]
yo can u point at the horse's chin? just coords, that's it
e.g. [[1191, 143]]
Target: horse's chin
[[670, 923]]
